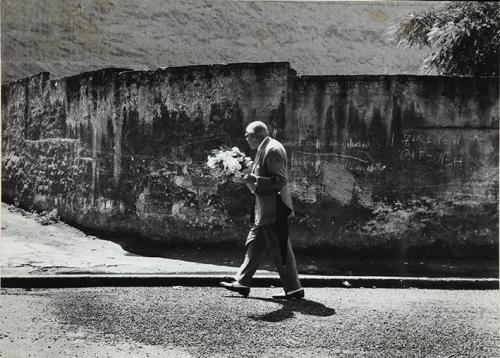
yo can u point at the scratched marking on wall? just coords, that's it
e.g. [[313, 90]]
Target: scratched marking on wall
[[319, 174], [444, 150]]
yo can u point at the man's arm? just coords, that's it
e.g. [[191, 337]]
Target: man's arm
[[276, 166]]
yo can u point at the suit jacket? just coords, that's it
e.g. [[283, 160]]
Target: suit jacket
[[273, 202]]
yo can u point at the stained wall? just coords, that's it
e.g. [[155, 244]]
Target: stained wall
[[393, 162]]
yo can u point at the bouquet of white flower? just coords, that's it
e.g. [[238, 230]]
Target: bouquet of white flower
[[229, 164]]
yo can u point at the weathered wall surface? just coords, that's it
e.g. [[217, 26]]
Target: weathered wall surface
[[121, 150], [396, 161], [406, 131], [400, 163]]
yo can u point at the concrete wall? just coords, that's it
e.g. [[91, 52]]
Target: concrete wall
[[392, 162], [121, 150], [396, 161], [430, 135]]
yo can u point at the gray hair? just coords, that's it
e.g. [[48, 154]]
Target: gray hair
[[258, 128]]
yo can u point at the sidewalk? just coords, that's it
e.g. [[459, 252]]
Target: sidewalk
[[29, 248], [58, 255]]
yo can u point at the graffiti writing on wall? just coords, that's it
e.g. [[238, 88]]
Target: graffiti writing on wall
[[445, 150]]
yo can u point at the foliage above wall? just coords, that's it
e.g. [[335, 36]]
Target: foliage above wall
[[463, 36]]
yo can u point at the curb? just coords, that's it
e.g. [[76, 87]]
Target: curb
[[145, 280]]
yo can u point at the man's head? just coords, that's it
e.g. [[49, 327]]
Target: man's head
[[255, 133]]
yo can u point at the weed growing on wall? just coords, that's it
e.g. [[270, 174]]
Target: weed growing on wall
[[44, 217]]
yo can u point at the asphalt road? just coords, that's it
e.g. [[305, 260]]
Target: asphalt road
[[211, 322]]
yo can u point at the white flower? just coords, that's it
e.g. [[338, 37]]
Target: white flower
[[228, 164], [211, 162]]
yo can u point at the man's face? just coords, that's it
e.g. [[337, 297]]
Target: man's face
[[253, 140]]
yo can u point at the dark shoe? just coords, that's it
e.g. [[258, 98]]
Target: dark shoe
[[293, 296], [236, 287]]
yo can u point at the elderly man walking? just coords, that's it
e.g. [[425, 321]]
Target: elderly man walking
[[268, 181]]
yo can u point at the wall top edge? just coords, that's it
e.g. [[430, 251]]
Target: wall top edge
[[171, 69], [388, 77], [219, 67], [250, 65]]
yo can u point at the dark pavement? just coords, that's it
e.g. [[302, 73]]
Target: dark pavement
[[212, 322]]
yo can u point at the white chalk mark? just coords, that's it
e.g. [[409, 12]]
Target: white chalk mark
[[335, 155]]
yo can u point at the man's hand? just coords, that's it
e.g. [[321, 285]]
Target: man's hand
[[246, 171], [251, 182], [250, 179]]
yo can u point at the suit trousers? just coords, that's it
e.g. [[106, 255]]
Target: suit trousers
[[258, 239]]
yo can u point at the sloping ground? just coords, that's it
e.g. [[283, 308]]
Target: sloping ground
[[68, 37], [30, 248]]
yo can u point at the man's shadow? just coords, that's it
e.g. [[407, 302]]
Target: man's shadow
[[289, 307]]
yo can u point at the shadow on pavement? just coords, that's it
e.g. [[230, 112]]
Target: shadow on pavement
[[288, 308], [319, 262], [324, 263]]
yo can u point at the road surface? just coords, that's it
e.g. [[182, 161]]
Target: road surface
[[211, 322]]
